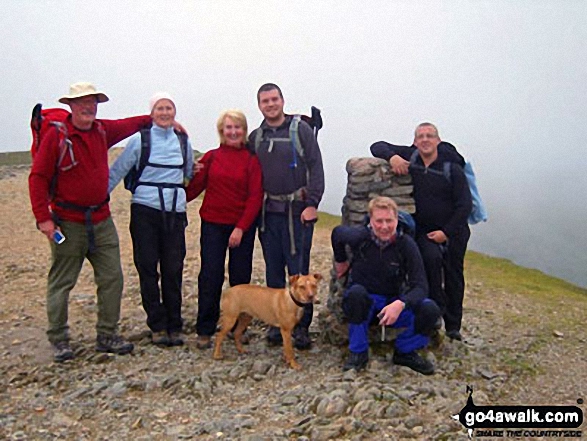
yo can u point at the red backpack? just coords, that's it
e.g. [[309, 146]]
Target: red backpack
[[49, 119]]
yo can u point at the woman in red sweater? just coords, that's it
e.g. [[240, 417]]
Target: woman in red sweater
[[231, 176]]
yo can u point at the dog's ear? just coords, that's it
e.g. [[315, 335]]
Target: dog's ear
[[292, 279], [317, 276]]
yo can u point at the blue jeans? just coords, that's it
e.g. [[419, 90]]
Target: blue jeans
[[362, 307], [277, 253]]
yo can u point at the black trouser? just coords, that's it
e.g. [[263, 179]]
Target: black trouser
[[444, 268], [154, 242], [213, 244]]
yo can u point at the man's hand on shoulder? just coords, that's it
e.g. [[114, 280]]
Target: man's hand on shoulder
[[177, 126], [399, 165], [341, 268], [388, 315], [437, 236]]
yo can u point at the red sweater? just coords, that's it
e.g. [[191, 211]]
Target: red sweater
[[86, 183], [234, 190]]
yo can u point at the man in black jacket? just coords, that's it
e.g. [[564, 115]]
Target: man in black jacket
[[443, 204], [387, 280], [293, 182]]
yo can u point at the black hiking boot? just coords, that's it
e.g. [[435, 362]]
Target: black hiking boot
[[175, 339], [62, 351], [454, 334], [113, 344], [414, 361], [160, 338], [274, 337], [302, 339], [356, 361]]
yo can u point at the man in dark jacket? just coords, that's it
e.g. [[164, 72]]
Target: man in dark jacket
[[443, 204], [293, 183], [387, 280]]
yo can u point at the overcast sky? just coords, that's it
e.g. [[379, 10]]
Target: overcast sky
[[505, 81]]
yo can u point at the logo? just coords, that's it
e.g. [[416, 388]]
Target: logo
[[514, 421]]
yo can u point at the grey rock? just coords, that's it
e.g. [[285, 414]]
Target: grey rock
[[325, 433], [350, 375], [367, 393], [255, 437], [395, 410], [331, 407], [364, 408], [117, 389], [261, 367], [290, 400], [413, 421]]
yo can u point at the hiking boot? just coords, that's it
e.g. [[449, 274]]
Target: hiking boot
[[302, 339], [274, 337], [160, 338], [113, 344], [454, 334], [62, 351], [175, 339], [414, 361], [204, 342], [356, 361]]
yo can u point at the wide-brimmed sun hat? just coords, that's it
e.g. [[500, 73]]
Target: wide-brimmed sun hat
[[79, 90]]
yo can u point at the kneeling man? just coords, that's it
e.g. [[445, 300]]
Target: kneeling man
[[387, 280]]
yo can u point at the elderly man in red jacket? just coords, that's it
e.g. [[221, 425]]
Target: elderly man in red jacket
[[68, 188]]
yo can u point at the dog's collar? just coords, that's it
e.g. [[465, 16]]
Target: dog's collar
[[297, 302]]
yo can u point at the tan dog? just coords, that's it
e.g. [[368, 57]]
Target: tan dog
[[276, 307]]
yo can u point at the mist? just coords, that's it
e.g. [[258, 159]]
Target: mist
[[506, 82]]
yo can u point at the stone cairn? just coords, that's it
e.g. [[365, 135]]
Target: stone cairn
[[367, 178]]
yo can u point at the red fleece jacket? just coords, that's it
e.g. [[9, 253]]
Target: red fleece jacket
[[86, 183], [234, 189]]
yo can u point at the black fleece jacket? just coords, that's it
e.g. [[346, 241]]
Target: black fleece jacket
[[395, 270], [440, 204]]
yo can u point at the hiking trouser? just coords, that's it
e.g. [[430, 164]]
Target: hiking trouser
[[362, 307], [159, 241], [276, 246], [67, 260], [444, 264], [213, 244]]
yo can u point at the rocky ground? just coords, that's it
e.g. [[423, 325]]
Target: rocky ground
[[517, 351]]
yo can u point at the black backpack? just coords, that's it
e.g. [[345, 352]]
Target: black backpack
[[132, 179]]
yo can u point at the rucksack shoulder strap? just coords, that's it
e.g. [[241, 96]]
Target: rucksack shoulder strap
[[145, 151], [446, 170], [414, 157], [294, 135], [183, 144], [258, 139]]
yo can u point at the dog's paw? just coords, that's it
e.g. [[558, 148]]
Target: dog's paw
[[295, 365]]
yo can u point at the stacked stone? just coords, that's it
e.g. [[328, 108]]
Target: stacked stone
[[367, 178]]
